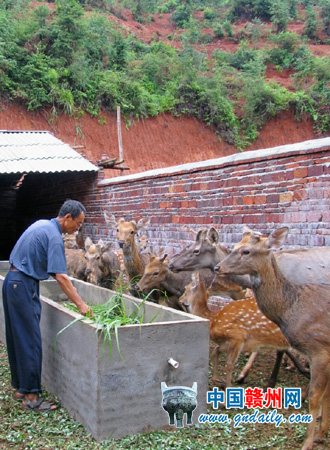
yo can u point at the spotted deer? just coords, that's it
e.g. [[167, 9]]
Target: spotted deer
[[301, 311], [126, 233], [239, 327], [124, 281]]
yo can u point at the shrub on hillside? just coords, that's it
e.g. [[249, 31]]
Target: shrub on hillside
[[263, 101], [250, 9], [209, 14], [181, 15], [208, 101]]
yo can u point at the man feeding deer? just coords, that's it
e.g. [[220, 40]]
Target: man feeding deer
[[38, 253]]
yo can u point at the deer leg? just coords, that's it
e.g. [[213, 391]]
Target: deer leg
[[215, 359], [318, 384], [247, 367], [273, 377], [324, 426], [233, 354]]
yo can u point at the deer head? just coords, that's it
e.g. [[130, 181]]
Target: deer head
[[126, 231], [244, 258], [206, 252]]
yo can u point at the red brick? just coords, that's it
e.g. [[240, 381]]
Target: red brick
[[301, 172], [248, 200], [274, 218], [292, 165], [260, 218], [176, 188], [285, 197], [272, 198], [260, 199], [237, 200], [278, 176], [289, 175], [315, 170], [205, 186], [228, 219], [300, 194], [237, 218], [228, 201]]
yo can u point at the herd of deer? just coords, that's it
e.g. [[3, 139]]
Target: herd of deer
[[282, 298]]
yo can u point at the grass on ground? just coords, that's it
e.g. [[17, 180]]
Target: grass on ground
[[20, 429]]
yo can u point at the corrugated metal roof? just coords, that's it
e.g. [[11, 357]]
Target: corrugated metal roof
[[39, 151]]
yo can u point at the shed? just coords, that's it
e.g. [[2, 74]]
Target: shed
[[38, 172]]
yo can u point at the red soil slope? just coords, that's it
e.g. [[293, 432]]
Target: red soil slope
[[153, 143], [164, 140]]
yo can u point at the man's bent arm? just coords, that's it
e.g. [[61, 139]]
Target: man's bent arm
[[68, 288]]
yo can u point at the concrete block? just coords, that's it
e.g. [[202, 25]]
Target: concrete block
[[117, 396]]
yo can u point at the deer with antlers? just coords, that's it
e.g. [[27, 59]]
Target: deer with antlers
[[301, 311]]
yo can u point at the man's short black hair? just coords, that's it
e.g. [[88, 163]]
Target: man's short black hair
[[72, 207]]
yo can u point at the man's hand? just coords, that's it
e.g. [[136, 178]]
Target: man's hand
[[86, 310], [68, 288]]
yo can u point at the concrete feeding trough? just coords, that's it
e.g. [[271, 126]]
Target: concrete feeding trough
[[115, 397]]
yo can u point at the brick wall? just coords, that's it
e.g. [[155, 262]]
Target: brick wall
[[288, 185]]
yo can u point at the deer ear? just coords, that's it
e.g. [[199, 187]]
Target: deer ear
[[98, 247], [110, 219], [88, 243], [143, 223], [201, 235], [246, 230], [213, 235], [277, 237]]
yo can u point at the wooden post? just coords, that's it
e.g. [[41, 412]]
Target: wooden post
[[120, 142]]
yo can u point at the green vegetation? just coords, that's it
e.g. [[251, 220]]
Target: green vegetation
[[109, 316], [78, 61]]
